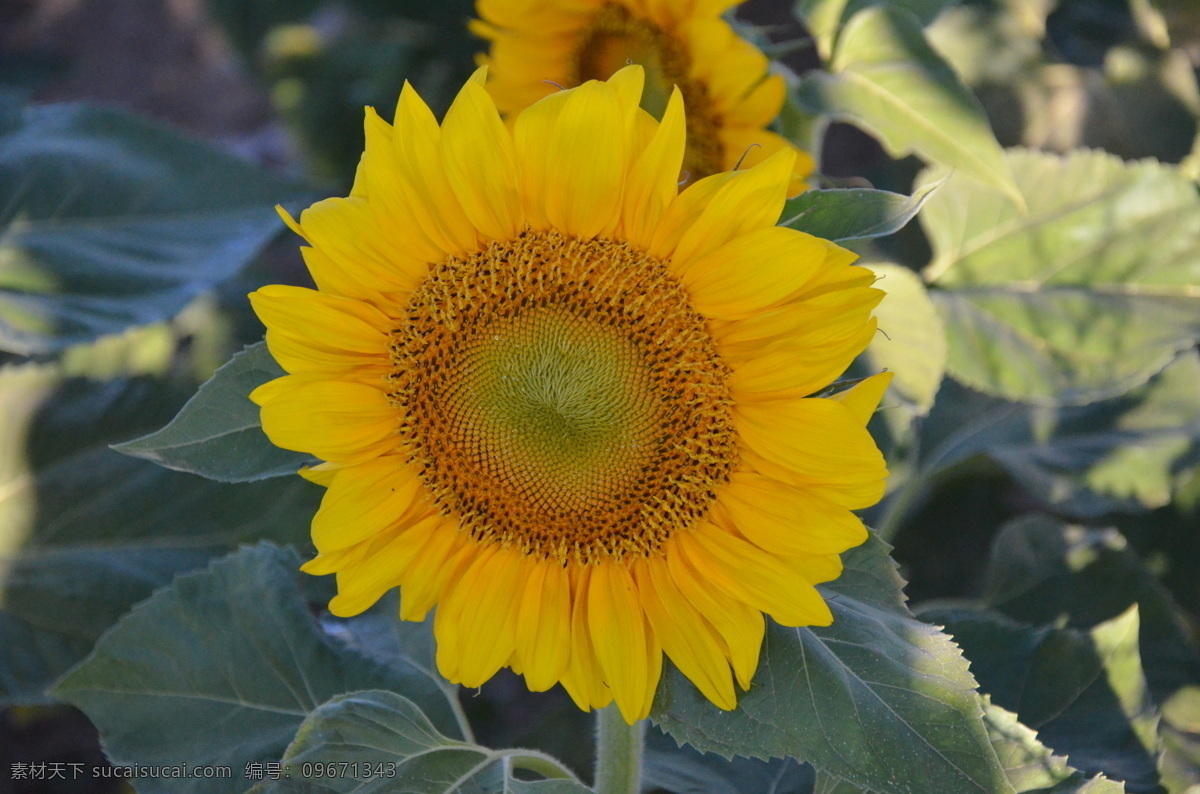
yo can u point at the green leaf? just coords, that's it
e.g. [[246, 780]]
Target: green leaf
[[684, 770], [853, 214], [218, 434], [1067, 303], [913, 342], [886, 78], [1045, 572], [1029, 764], [85, 533], [222, 667], [109, 221], [1125, 454], [408, 647], [383, 742], [827, 695], [824, 18], [1084, 693]]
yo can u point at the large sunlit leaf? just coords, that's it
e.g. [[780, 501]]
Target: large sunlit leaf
[[886, 78], [109, 221], [223, 667], [827, 695], [913, 341], [218, 434], [382, 742], [85, 532], [1088, 295], [1083, 692], [824, 18]]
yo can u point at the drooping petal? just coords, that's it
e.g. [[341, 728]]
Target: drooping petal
[[543, 639], [751, 575], [686, 637], [618, 634], [785, 519], [740, 626]]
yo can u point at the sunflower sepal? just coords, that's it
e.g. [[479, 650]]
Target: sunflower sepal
[[218, 434]]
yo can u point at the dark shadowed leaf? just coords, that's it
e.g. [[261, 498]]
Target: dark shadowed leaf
[[109, 221], [218, 434], [223, 667], [1083, 692], [389, 744], [87, 533], [826, 695], [684, 770]]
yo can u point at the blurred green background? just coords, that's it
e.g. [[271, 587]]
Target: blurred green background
[[1025, 511]]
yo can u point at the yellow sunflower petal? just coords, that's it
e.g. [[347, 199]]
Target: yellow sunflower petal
[[483, 608], [362, 583], [740, 626], [654, 179], [434, 212], [863, 397], [543, 638], [752, 272], [346, 231], [443, 559], [813, 442], [583, 679], [340, 421], [786, 371], [588, 150], [618, 635], [477, 152], [364, 500], [784, 519], [755, 577], [686, 637], [750, 200]]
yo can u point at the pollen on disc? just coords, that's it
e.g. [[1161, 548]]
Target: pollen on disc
[[563, 396]]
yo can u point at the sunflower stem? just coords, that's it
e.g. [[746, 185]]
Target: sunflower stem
[[618, 752]]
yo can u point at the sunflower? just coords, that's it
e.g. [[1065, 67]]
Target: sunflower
[[568, 404], [540, 45]]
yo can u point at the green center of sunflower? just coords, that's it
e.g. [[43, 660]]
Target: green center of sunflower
[[614, 39], [563, 396]]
